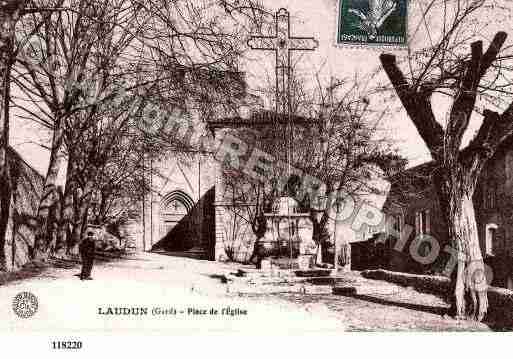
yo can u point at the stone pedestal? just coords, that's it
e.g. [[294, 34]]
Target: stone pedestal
[[305, 261], [288, 234]]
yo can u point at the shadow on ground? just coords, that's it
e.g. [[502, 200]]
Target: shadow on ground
[[495, 325], [24, 273], [419, 307]]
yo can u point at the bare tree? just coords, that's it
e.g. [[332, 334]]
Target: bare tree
[[10, 14], [69, 51], [91, 52], [351, 155], [472, 81], [334, 136]]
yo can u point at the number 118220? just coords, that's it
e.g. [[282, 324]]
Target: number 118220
[[60, 344]]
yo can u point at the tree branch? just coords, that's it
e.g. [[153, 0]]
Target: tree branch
[[465, 100], [493, 50], [417, 105]]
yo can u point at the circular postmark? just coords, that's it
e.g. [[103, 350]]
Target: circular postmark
[[25, 304]]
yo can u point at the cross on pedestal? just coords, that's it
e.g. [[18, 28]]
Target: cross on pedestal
[[282, 43]]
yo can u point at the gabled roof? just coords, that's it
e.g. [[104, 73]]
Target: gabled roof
[[13, 155], [413, 181]]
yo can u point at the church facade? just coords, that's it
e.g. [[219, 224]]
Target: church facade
[[194, 208], [178, 213]]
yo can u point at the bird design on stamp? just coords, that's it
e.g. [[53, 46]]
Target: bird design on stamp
[[379, 11]]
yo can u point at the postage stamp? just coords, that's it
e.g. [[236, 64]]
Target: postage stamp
[[379, 22]]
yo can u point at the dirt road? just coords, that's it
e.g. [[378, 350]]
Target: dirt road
[[152, 292]]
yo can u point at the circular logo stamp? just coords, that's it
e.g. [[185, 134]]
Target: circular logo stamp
[[25, 304]]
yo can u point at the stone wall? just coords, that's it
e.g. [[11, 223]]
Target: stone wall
[[500, 310], [234, 236], [28, 185]]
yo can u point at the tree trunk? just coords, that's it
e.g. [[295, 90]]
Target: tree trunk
[[102, 211], [458, 208], [342, 236], [345, 256], [5, 205], [76, 232], [259, 227], [49, 195], [9, 14], [80, 219], [85, 222], [58, 249], [336, 242], [55, 218], [320, 233], [470, 275], [65, 229]]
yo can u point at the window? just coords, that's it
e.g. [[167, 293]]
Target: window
[[422, 222], [490, 238], [394, 225], [489, 195]]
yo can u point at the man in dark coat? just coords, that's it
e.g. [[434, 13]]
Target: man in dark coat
[[87, 248]]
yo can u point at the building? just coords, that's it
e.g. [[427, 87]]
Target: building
[[193, 209], [27, 189], [178, 213], [413, 202]]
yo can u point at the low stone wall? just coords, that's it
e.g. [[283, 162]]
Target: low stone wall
[[501, 306], [437, 285], [500, 300]]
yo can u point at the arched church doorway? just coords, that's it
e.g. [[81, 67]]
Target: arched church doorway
[[173, 208]]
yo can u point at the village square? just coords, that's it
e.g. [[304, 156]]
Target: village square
[[174, 165]]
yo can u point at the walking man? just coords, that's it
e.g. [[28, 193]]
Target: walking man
[[87, 248]]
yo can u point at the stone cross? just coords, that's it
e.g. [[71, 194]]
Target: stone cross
[[282, 43]]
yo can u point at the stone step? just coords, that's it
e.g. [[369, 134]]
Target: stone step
[[194, 253], [326, 280], [345, 290], [284, 263], [313, 273], [196, 250]]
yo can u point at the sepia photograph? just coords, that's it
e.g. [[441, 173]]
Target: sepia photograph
[[255, 167]]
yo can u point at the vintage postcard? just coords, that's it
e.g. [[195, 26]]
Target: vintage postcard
[[242, 166]]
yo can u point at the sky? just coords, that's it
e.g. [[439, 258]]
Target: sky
[[308, 18], [320, 20]]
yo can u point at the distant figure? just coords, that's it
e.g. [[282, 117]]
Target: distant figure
[[87, 248]]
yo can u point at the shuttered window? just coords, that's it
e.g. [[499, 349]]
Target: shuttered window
[[490, 238], [490, 195], [422, 222]]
